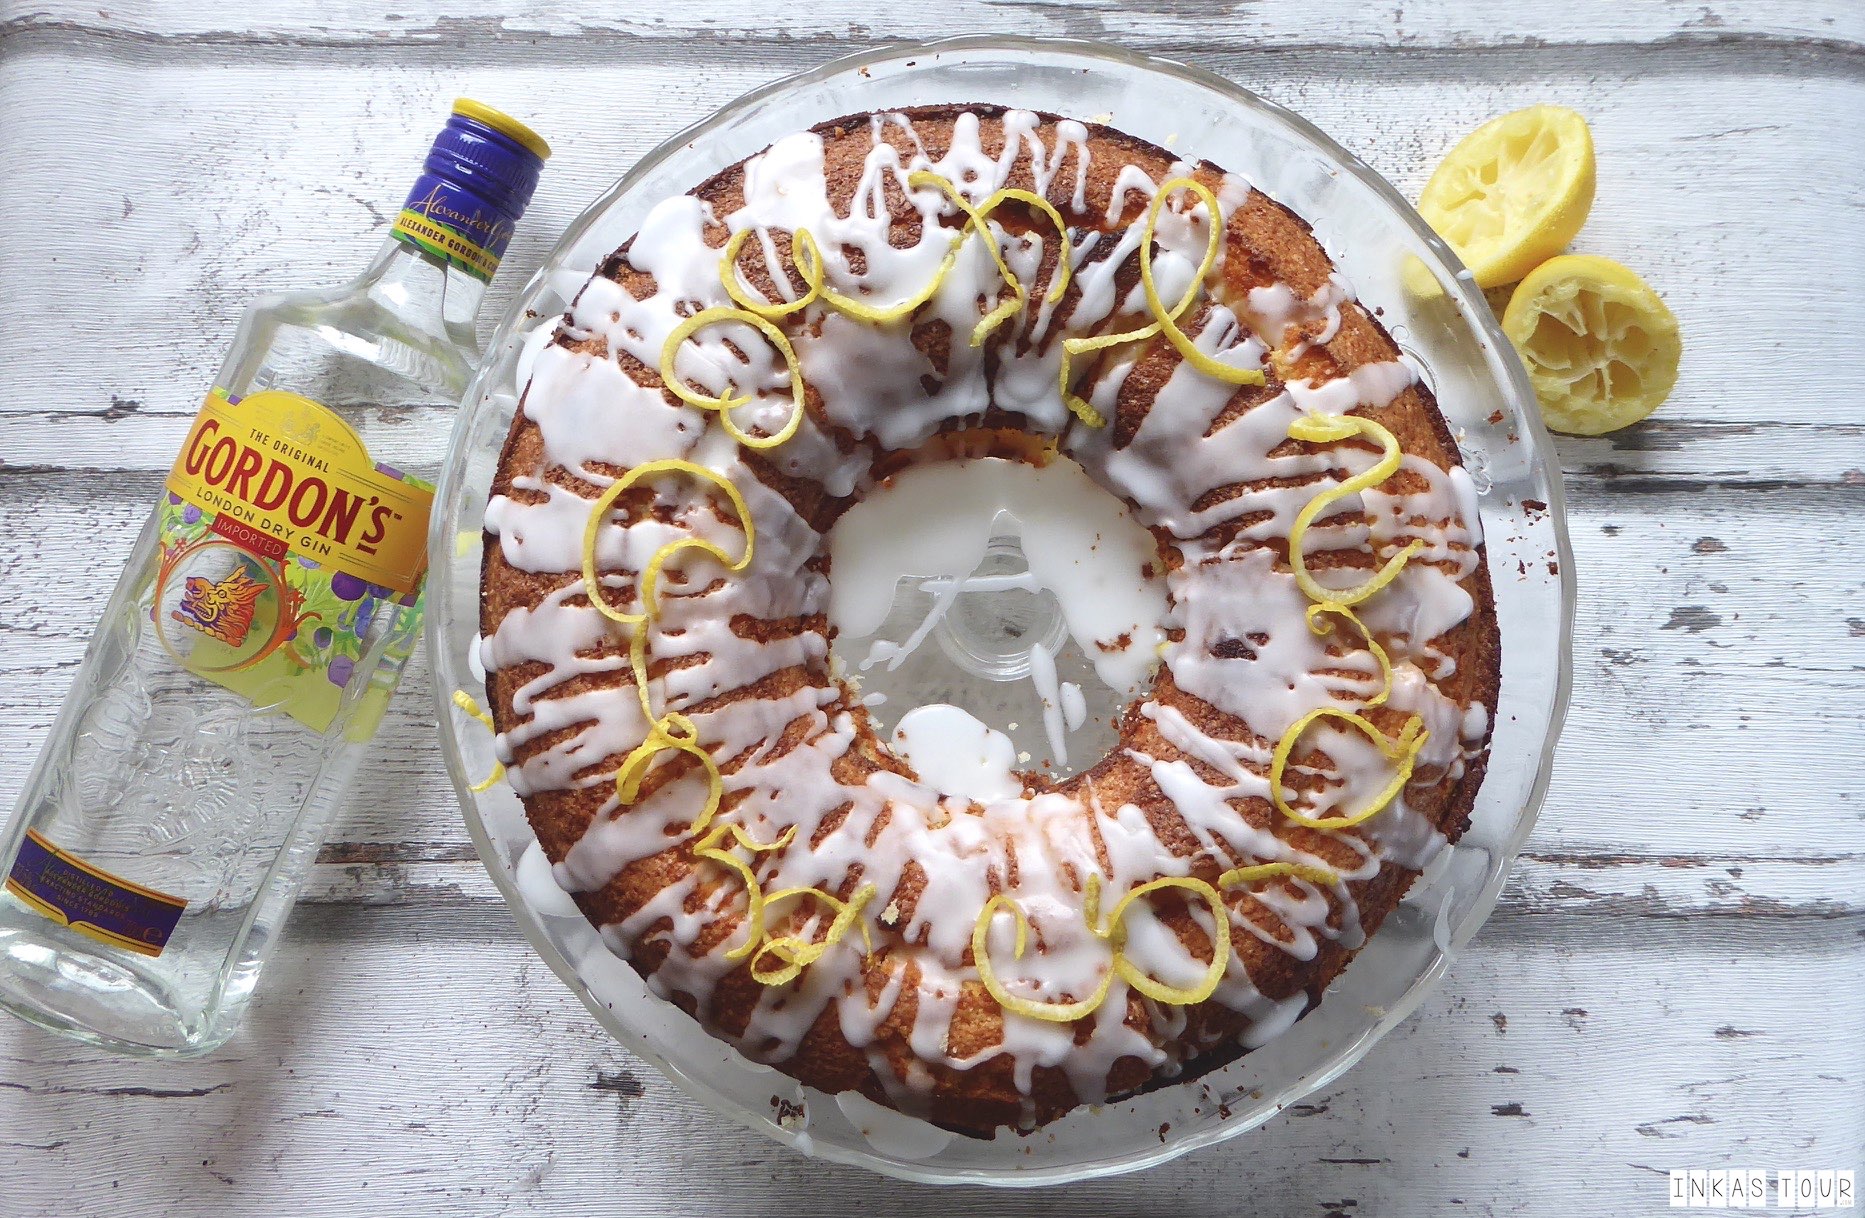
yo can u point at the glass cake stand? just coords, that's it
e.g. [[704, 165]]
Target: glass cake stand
[[1433, 310]]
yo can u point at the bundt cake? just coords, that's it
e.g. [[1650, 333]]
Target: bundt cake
[[702, 773]]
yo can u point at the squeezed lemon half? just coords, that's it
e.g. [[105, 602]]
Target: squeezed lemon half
[[1601, 348], [1514, 192]]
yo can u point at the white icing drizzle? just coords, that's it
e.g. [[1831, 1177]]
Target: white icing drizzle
[[1043, 675], [954, 752], [772, 714]]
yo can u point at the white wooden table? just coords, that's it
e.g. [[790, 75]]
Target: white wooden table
[[1676, 975]]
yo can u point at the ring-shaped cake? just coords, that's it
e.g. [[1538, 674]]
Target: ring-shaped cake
[[906, 286]]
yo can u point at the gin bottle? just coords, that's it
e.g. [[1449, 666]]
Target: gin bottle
[[248, 652]]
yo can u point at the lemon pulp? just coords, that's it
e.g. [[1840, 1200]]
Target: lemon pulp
[[1514, 192], [1601, 349]]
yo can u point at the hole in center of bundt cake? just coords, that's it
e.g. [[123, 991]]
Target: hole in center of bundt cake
[[995, 616], [1001, 619]]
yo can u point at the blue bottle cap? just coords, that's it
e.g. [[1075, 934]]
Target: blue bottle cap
[[478, 177]]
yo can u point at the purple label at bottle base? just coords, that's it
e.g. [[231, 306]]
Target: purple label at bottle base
[[91, 901]]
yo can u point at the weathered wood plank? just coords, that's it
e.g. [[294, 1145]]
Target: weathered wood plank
[[1714, 680], [436, 879], [136, 273], [461, 1076], [467, 23], [105, 433]]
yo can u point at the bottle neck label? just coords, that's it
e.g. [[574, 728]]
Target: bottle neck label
[[285, 555], [451, 222]]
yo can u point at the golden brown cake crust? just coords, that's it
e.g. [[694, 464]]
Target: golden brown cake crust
[[1264, 245]]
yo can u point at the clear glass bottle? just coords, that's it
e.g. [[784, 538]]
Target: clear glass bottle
[[251, 646]]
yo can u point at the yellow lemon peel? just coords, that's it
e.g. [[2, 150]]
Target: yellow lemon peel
[[1327, 429], [1032, 199], [708, 847], [842, 908], [1217, 370], [1402, 749], [1220, 943], [1052, 1012], [1072, 347], [978, 218], [725, 405], [805, 255], [660, 740], [797, 954], [638, 662], [850, 307], [1114, 931], [650, 576], [974, 218], [662, 729], [467, 703], [1258, 872], [1318, 626]]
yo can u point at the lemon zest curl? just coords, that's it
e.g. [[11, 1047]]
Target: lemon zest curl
[[1032, 199], [661, 740], [725, 404], [797, 954], [1402, 749], [805, 255], [1220, 941], [974, 218], [1113, 930], [1258, 872], [708, 847], [467, 703], [1162, 317], [1327, 429], [1229, 374], [1051, 1012], [1317, 626], [650, 576]]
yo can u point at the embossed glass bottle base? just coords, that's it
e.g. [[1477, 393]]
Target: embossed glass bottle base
[[58, 979]]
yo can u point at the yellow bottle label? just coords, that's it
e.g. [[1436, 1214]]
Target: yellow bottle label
[[286, 552], [297, 473]]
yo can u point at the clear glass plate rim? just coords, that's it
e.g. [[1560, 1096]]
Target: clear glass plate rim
[[1470, 302]]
